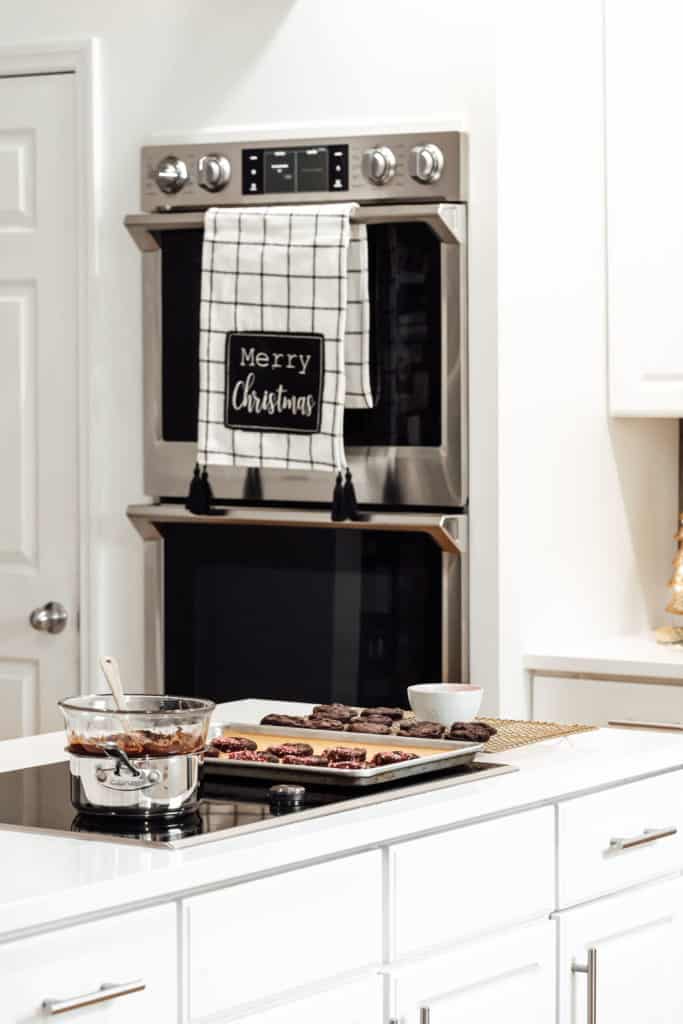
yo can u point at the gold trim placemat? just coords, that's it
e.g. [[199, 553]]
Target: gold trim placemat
[[512, 733]]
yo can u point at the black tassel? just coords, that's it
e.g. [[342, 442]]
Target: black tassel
[[338, 507], [200, 496], [193, 500], [350, 502]]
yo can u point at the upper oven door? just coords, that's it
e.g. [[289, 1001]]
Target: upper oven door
[[410, 450]]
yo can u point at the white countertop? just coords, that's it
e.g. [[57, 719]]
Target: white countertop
[[49, 879], [638, 656]]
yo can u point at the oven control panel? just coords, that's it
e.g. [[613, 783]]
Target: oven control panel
[[399, 168]]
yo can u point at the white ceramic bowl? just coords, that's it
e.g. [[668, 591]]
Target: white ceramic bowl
[[445, 702]]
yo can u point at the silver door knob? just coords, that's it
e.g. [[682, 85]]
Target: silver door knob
[[51, 618]]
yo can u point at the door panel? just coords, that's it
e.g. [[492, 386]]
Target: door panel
[[357, 1002], [38, 396], [638, 939], [507, 977]]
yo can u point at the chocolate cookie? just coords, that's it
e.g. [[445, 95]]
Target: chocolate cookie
[[292, 721], [345, 754], [348, 765], [264, 755], [241, 755], [422, 730], [475, 732], [339, 711], [291, 750], [318, 722], [391, 757], [363, 725], [393, 713], [229, 743], [310, 762], [378, 719]]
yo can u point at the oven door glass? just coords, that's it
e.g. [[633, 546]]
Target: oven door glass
[[300, 614], [405, 341]]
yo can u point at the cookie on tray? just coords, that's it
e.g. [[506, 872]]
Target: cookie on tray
[[422, 730], [378, 719], [384, 757], [230, 743], [363, 725], [314, 761], [345, 754], [290, 721], [291, 750], [319, 722], [340, 711], [475, 732], [395, 714]]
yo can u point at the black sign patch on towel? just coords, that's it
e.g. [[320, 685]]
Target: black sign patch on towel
[[273, 381]]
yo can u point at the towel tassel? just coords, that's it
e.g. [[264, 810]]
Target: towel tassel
[[200, 496], [350, 502], [338, 509]]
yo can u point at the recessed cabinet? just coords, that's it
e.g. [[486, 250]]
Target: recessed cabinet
[[508, 977], [621, 958]]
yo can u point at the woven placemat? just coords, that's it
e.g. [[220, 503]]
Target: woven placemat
[[512, 733]]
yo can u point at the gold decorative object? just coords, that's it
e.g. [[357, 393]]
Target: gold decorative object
[[674, 634]]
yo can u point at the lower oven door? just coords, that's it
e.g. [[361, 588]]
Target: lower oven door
[[410, 450], [246, 606]]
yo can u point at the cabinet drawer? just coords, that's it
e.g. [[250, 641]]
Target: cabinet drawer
[[70, 965], [473, 879], [254, 940], [588, 866]]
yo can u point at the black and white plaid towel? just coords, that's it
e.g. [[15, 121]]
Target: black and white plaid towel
[[271, 276]]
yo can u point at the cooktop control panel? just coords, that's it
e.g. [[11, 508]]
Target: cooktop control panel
[[406, 167]]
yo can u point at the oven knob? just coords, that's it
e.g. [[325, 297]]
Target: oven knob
[[379, 165], [213, 172], [171, 174], [425, 163]]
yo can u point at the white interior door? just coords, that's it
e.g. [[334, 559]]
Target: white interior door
[[39, 531]]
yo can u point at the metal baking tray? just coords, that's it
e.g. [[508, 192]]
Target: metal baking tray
[[452, 754]]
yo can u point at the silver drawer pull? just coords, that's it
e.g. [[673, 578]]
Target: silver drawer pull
[[51, 1007], [590, 969], [650, 835]]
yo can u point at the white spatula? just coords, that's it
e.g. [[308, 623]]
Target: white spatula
[[110, 670]]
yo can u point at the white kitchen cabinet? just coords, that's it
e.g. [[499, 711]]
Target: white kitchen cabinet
[[644, 152], [357, 1002], [507, 977], [599, 701], [272, 935], [437, 882], [136, 952], [637, 939]]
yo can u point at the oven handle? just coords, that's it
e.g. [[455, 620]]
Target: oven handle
[[447, 221]]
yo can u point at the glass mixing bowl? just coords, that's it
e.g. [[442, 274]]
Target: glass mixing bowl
[[151, 725]]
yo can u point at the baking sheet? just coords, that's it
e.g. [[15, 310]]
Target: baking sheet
[[439, 755]]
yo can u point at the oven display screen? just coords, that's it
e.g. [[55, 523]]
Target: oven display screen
[[305, 169]]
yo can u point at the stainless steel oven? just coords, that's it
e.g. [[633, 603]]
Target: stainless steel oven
[[410, 450], [273, 599]]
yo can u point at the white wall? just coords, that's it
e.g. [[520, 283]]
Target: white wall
[[177, 67], [587, 504]]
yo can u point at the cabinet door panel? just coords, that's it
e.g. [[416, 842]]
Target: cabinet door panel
[[359, 1002], [638, 939], [508, 977]]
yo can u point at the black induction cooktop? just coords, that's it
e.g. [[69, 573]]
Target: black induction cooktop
[[37, 800]]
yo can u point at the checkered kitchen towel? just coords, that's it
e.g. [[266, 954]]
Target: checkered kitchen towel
[[269, 273]]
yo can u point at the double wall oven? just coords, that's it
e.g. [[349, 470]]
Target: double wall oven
[[272, 599]]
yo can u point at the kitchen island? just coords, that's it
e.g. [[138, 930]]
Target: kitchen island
[[481, 897]]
